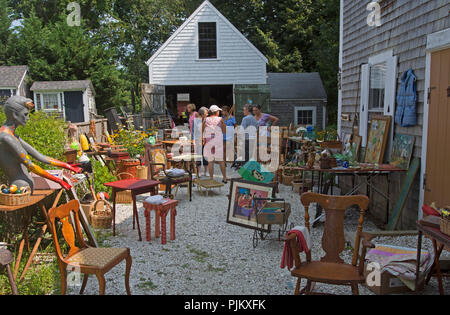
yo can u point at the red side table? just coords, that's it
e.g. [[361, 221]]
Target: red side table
[[161, 212], [137, 187]]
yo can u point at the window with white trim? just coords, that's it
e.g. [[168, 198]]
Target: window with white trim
[[49, 102], [207, 40], [305, 116], [378, 92]]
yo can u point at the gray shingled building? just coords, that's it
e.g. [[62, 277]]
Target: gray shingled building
[[298, 99], [12, 81], [73, 101]]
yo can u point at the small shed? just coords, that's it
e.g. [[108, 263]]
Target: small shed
[[12, 81], [72, 101], [298, 99]]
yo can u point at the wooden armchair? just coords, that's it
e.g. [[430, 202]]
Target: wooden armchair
[[156, 160], [87, 260], [331, 268]]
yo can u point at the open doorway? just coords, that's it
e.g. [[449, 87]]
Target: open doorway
[[177, 98]]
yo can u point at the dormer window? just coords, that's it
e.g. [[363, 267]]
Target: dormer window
[[207, 40]]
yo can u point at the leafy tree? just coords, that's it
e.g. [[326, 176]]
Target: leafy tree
[[6, 35], [58, 52]]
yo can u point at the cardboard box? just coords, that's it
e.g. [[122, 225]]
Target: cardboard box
[[390, 284]]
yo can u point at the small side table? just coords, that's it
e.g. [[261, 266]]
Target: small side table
[[436, 236], [137, 187], [161, 212]]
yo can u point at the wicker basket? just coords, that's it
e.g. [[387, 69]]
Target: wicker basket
[[142, 172], [101, 215], [14, 199], [124, 197], [445, 226], [287, 179]]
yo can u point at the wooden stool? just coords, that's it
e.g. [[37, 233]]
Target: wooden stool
[[161, 212]]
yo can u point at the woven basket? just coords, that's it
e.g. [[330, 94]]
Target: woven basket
[[142, 172], [445, 226], [14, 199], [287, 179], [101, 215], [124, 197]]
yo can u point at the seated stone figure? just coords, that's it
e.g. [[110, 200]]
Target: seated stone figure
[[15, 153]]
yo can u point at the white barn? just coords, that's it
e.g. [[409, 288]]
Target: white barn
[[207, 61]]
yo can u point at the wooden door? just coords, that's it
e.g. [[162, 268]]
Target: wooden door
[[437, 176]]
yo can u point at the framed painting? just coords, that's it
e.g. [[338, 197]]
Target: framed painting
[[377, 139], [241, 207], [402, 150]]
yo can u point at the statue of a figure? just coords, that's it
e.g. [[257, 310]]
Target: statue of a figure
[[15, 153]]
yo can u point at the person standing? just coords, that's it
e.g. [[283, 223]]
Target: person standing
[[213, 125], [197, 126], [230, 123], [264, 119], [192, 114], [247, 122]]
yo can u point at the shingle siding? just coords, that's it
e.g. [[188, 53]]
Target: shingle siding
[[404, 29]]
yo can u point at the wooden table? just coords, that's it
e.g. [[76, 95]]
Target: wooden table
[[366, 172], [433, 232], [37, 199], [137, 187]]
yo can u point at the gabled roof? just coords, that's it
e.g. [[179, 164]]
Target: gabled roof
[[209, 4], [12, 76], [62, 85], [298, 86]]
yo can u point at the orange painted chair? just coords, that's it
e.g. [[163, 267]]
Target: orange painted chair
[[85, 260]]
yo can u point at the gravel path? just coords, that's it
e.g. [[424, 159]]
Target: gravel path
[[211, 257]]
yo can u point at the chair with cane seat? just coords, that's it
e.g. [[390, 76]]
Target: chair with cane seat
[[85, 260]]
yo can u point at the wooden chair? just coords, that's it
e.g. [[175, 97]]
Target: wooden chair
[[331, 268], [156, 161], [87, 260]]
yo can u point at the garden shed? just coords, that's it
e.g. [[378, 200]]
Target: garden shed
[[206, 61], [12, 81], [298, 99], [73, 101]]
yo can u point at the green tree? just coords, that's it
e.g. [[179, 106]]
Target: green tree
[[58, 52], [6, 34]]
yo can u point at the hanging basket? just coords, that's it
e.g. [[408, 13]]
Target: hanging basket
[[124, 197], [101, 215], [14, 199]]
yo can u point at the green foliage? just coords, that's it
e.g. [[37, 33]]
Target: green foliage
[[102, 176]]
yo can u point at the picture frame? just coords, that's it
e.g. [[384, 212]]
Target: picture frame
[[377, 139], [241, 211], [402, 150]]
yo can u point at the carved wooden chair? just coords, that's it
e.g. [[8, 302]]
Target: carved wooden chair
[[157, 162], [331, 268], [84, 259]]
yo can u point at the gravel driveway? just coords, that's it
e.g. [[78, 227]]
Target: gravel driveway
[[211, 257]]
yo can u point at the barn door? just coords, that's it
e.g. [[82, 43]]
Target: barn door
[[438, 141], [153, 98], [74, 106], [251, 94]]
